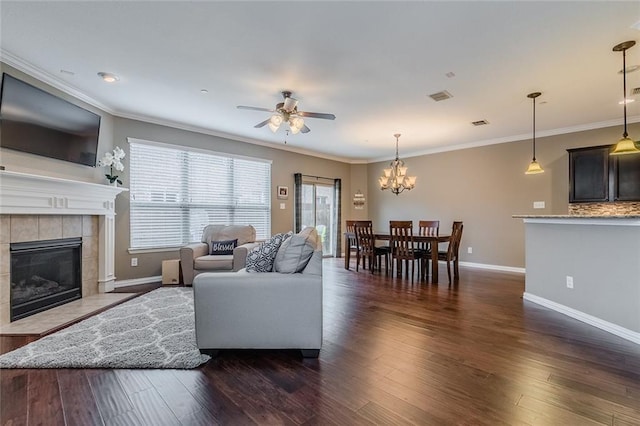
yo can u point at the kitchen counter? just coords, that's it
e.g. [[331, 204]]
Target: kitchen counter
[[587, 267]]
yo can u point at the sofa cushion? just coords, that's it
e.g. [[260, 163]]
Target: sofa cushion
[[214, 263], [217, 248], [260, 258], [294, 254]]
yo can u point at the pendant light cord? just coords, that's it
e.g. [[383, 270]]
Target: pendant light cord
[[534, 129], [624, 90]]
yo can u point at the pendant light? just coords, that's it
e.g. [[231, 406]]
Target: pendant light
[[625, 145], [534, 166]]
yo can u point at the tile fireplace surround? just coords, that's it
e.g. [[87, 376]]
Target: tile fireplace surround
[[34, 208]]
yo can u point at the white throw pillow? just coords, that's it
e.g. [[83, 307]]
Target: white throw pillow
[[294, 253]]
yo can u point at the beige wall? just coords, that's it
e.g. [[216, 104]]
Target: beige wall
[[483, 187], [284, 165], [29, 163]]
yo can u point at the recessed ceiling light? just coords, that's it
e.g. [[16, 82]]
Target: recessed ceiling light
[[204, 91], [67, 72], [450, 74], [480, 123], [108, 77]]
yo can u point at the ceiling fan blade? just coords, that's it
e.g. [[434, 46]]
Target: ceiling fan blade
[[263, 123], [322, 115], [254, 108], [305, 129]]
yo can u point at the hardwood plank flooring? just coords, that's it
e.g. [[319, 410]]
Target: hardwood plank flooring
[[394, 352]]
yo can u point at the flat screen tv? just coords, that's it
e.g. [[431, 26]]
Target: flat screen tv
[[34, 121]]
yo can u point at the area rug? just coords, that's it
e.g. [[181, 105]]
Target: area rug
[[155, 330]]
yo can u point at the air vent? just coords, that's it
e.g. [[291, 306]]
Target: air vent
[[441, 96], [635, 91], [480, 123]]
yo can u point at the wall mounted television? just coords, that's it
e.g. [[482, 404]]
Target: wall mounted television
[[37, 122]]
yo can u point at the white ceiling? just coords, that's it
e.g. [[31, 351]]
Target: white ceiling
[[372, 64]]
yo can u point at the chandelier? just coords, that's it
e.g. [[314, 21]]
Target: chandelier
[[395, 177]]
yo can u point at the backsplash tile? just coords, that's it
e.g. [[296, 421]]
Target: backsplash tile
[[605, 209]]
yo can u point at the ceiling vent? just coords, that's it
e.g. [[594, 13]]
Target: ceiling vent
[[480, 123], [635, 91], [441, 96]]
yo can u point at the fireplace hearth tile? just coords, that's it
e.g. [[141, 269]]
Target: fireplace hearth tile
[[24, 228], [44, 322], [71, 226]]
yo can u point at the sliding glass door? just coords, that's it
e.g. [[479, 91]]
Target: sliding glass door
[[318, 210]]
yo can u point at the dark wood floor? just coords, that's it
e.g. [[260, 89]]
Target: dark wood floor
[[394, 353]]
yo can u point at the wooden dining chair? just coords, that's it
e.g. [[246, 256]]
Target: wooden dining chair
[[368, 249], [430, 228], [403, 247], [352, 244], [358, 249], [451, 254]]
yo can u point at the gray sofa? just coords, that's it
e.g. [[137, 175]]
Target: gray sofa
[[195, 257], [267, 310]]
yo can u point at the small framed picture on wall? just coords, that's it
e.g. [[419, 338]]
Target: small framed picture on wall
[[283, 192]]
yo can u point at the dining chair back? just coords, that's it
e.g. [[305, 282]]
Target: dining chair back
[[429, 228], [368, 250], [403, 247], [451, 254]]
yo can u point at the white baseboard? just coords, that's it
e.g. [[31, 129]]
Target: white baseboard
[[137, 281], [493, 267], [586, 318]]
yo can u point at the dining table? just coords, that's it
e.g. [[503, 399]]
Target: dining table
[[433, 241]]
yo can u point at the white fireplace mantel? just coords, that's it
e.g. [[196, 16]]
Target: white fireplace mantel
[[28, 194]]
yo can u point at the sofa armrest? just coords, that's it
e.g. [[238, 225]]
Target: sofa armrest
[[188, 254], [258, 310], [240, 255]]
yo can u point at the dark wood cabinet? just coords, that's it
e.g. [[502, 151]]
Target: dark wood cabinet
[[589, 174], [627, 178], [595, 176]]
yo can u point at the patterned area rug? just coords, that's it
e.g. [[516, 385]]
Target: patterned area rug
[[155, 330]]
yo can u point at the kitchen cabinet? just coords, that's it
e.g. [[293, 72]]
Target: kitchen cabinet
[[596, 176]]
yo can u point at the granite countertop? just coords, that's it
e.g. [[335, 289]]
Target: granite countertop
[[575, 216]]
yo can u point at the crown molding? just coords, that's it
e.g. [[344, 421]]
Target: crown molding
[[514, 138], [46, 77]]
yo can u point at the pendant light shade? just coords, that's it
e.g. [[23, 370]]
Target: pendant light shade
[[625, 145], [534, 166]]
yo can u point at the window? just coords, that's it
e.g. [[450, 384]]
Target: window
[[175, 192]]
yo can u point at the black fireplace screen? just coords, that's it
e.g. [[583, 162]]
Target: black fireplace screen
[[44, 274]]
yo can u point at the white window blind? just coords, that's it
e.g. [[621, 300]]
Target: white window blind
[[175, 193]]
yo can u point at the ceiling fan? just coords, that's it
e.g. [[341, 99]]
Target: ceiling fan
[[287, 112]]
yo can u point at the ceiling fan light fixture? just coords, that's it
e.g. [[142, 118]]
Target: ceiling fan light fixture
[[296, 122], [626, 145]]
